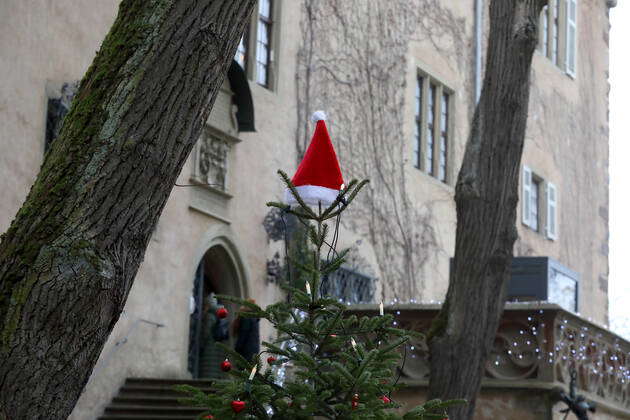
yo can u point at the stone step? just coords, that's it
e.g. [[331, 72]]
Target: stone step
[[143, 417], [160, 382], [151, 401], [154, 399], [120, 409], [153, 391]]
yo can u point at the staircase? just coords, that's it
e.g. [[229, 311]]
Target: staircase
[[153, 399]]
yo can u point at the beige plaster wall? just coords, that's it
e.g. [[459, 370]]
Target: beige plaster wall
[[567, 144], [42, 44]]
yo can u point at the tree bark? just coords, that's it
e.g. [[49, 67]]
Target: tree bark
[[486, 197], [69, 258]]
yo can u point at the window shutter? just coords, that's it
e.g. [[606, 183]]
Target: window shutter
[[552, 212], [526, 199], [571, 53]]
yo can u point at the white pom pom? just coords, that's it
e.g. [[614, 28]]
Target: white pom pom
[[318, 115]]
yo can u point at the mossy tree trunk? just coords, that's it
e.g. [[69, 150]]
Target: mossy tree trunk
[[69, 258], [486, 198]]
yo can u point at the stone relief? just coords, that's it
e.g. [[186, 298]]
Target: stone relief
[[213, 160]]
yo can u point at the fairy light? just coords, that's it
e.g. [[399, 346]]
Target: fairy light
[[381, 310], [253, 372], [308, 288]]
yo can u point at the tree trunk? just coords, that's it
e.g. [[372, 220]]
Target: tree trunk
[[69, 258], [486, 197]]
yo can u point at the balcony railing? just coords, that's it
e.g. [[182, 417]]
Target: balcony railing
[[537, 345]]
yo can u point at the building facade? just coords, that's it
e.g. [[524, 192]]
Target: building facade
[[399, 81]]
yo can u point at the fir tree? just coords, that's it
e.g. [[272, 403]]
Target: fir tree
[[337, 366]]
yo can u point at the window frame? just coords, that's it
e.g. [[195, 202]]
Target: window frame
[[273, 50], [546, 205], [421, 122], [554, 41], [551, 225], [571, 24], [269, 22]]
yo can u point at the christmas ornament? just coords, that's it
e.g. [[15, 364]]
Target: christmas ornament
[[222, 313], [318, 179], [385, 399], [226, 366], [355, 405], [209, 416], [271, 359], [238, 406], [355, 397]]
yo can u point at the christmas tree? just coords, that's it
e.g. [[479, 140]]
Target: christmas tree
[[325, 363], [336, 366]]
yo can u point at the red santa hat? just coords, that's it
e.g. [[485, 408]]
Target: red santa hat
[[318, 178]]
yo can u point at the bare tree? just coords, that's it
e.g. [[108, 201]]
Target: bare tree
[[486, 198], [69, 258]]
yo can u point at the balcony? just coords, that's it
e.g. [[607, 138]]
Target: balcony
[[536, 348]]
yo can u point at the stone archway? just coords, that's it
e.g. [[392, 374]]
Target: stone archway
[[219, 272]]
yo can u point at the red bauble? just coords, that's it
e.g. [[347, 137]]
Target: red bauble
[[355, 398], [238, 406], [209, 416], [385, 399], [355, 405], [271, 359], [222, 313], [226, 366]]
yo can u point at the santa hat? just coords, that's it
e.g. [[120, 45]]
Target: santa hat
[[318, 178]]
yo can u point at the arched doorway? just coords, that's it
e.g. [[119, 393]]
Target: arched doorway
[[216, 274]]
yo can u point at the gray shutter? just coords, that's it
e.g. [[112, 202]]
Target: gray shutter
[[571, 37], [526, 197], [552, 211]]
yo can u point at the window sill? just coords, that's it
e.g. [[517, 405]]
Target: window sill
[[434, 180]]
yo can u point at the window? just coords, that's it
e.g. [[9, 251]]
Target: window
[[534, 194], [558, 34], [349, 286], [432, 127], [241, 51], [539, 204], [255, 52], [417, 147], [263, 47], [443, 137], [571, 36], [551, 211]]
